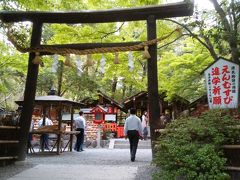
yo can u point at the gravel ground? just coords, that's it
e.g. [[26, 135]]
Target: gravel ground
[[93, 157]]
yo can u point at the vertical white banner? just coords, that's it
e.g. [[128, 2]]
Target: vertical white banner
[[222, 81]]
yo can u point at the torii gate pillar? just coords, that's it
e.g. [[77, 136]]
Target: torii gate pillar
[[153, 100]]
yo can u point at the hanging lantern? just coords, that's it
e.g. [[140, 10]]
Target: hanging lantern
[[116, 60], [102, 64], [79, 66], [146, 54], [89, 60], [55, 63], [37, 60], [130, 61], [67, 61]]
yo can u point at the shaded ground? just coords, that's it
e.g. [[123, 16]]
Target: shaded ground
[[100, 163]]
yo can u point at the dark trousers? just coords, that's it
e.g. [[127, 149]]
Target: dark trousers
[[30, 137], [133, 137], [44, 141], [80, 140]]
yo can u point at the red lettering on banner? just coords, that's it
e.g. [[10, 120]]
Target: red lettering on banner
[[215, 80], [225, 69], [222, 84], [226, 77], [226, 85], [217, 100], [215, 71], [227, 100], [216, 90], [227, 92]]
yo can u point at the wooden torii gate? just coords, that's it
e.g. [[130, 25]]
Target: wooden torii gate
[[149, 13]]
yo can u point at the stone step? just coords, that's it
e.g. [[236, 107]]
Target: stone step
[[126, 146], [127, 142]]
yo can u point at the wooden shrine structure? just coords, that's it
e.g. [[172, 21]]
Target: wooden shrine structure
[[139, 101], [149, 14], [104, 101], [53, 106]]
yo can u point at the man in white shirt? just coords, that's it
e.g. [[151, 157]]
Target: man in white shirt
[[80, 125], [133, 131], [48, 122], [45, 137]]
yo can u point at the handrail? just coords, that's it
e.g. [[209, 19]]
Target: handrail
[[9, 127], [231, 146], [9, 141], [232, 168], [8, 157]]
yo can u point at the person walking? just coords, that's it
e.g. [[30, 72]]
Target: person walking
[[80, 125], [133, 131]]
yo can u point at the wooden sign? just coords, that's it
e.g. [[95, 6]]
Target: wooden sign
[[222, 79]]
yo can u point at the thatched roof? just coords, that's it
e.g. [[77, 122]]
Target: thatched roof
[[128, 103], [106, 100], [54, 100]]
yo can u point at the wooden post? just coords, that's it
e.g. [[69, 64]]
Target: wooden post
[[60, 77], [29, 94], [59, 136], [153, 100], [42, 139]]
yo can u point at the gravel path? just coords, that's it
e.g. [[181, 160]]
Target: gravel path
[[98, 161]]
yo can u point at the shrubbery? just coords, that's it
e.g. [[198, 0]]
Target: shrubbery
[[190, 148]]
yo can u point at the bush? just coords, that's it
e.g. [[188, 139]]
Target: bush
[[191, 147]]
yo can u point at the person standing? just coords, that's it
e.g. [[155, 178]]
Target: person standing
[[80, 125], [133, 131], [144, 125], [163, 119], [45, 137]]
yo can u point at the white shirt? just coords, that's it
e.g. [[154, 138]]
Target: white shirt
[[133, 123], [48, 122], [80, 122]]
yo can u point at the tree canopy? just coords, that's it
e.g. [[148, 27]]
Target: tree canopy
[[181, 58]]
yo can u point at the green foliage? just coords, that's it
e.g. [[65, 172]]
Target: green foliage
[[191, 147], [180, 69], [13, 66], [179, 63]]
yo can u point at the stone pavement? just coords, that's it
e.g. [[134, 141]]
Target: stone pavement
[[76, 172], [91, 164]]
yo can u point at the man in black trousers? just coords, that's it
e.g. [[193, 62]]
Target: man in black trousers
[[80, 125], [133, 131]]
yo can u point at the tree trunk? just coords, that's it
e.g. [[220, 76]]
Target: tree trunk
[[230, 31], [114, 86]]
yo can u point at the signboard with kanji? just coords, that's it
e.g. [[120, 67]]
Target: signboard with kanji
[[222, 80]]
